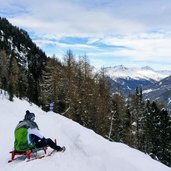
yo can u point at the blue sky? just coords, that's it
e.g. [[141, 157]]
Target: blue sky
[[110, 32]]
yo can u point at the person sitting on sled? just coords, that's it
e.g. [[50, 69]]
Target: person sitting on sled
[[28, 136]]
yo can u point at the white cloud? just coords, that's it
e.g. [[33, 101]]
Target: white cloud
[[108, 22], [64, 45], [143, 48], [67, 18]]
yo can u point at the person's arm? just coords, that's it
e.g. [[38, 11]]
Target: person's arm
[[34, 131]]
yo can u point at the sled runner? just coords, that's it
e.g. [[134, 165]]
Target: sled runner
[[29, 154]]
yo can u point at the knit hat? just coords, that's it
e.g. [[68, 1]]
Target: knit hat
[[29, 116]]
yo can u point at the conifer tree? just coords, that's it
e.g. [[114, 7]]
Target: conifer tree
[[70, 63], [86, 93], [158, 133], [3, 70], [46, 88], [22, 83], [104, 103], [127, 135], [137, 106], [13, 78], [148, 127], [164, 152], [155, 112], [118, 109]]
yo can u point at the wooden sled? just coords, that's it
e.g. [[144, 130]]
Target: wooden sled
[[28, 153]]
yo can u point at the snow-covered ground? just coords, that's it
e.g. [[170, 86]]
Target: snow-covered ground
[[85, 150]]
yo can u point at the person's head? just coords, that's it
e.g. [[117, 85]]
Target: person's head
[[29, 116]]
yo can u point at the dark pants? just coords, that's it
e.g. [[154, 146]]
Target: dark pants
[[44, 142]]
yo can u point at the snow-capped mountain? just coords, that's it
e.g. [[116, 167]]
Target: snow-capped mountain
[[146, 73], [85, 150], [127, 79]]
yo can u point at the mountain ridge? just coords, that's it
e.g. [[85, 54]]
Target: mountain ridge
[[146, 72], [160, 91], [127, 79]]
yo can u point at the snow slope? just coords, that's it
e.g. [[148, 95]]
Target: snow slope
[[86, 151]]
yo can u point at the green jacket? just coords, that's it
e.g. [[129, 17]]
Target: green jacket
[[21, 139]]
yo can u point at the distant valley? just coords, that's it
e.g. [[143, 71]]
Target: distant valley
[[156, 85]]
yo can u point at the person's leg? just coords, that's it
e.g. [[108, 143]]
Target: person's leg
[[44, 142], [53, 145], [47, 142], [41, 143]]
